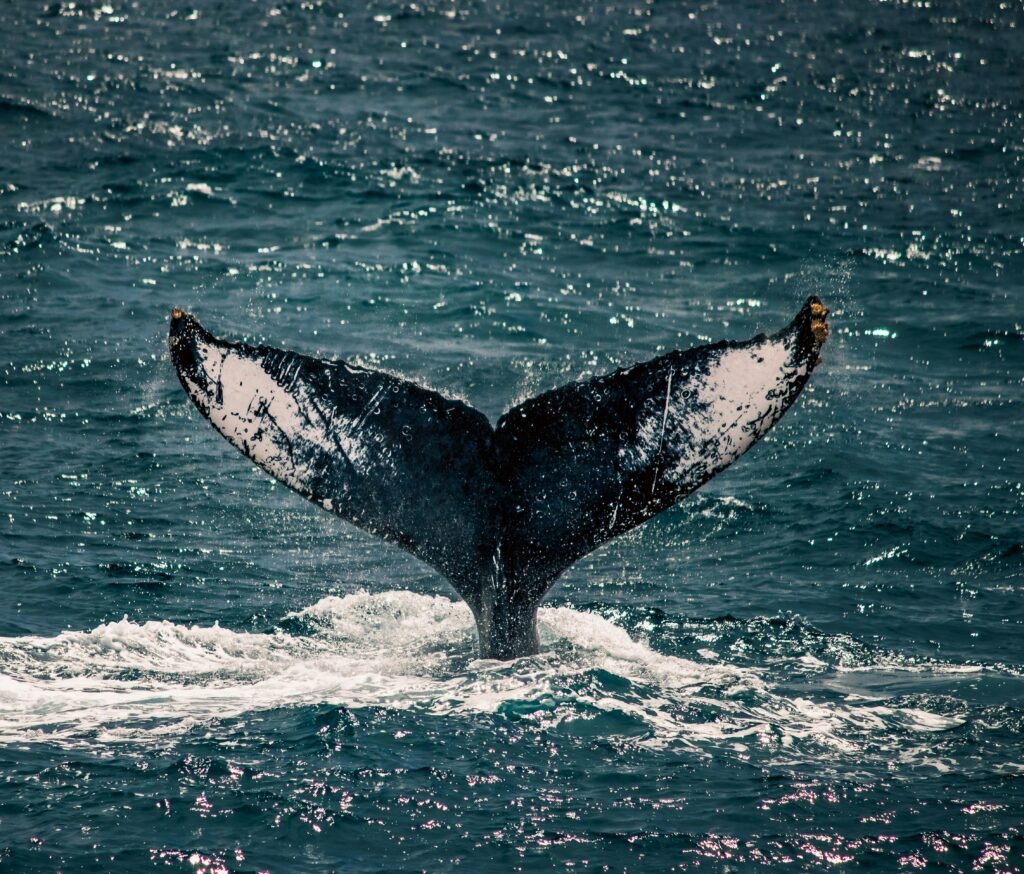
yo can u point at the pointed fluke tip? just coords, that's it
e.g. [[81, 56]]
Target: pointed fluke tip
[[819, 327], [179, 325]]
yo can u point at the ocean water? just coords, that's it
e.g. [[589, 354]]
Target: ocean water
[[814, 662]]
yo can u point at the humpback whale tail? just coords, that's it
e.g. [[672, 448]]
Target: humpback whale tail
[[500, 511]]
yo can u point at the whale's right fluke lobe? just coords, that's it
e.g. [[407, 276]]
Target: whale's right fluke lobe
[[500, 512], [591, 460]]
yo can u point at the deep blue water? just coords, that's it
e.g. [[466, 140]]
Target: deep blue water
[[815, 660]]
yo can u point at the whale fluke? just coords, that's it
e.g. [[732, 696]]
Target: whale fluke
[[500, 512]]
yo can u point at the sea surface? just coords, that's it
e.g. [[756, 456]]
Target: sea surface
[[814, 663]]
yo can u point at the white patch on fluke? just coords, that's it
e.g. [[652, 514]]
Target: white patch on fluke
[[703, 424], [284, 430]]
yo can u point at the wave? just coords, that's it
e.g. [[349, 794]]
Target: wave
[[13, 106], [152, 682]]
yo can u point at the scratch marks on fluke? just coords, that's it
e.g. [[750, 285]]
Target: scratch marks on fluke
[[500, 511], [661, 437]]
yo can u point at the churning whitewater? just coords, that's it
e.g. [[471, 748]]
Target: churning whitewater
[[150, 683]]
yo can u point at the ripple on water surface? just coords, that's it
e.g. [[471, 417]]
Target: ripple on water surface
[[380, 703]]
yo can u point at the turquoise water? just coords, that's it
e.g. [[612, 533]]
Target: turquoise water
[[815, 660]]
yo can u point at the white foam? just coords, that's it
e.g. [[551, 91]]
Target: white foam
[[149, 682]]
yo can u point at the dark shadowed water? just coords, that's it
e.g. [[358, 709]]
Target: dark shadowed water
[[816, 660]]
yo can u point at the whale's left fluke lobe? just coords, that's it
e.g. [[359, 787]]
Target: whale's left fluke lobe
[[501, 512], [397, 460]]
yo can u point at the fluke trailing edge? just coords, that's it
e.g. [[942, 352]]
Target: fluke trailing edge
[[500, 511]]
